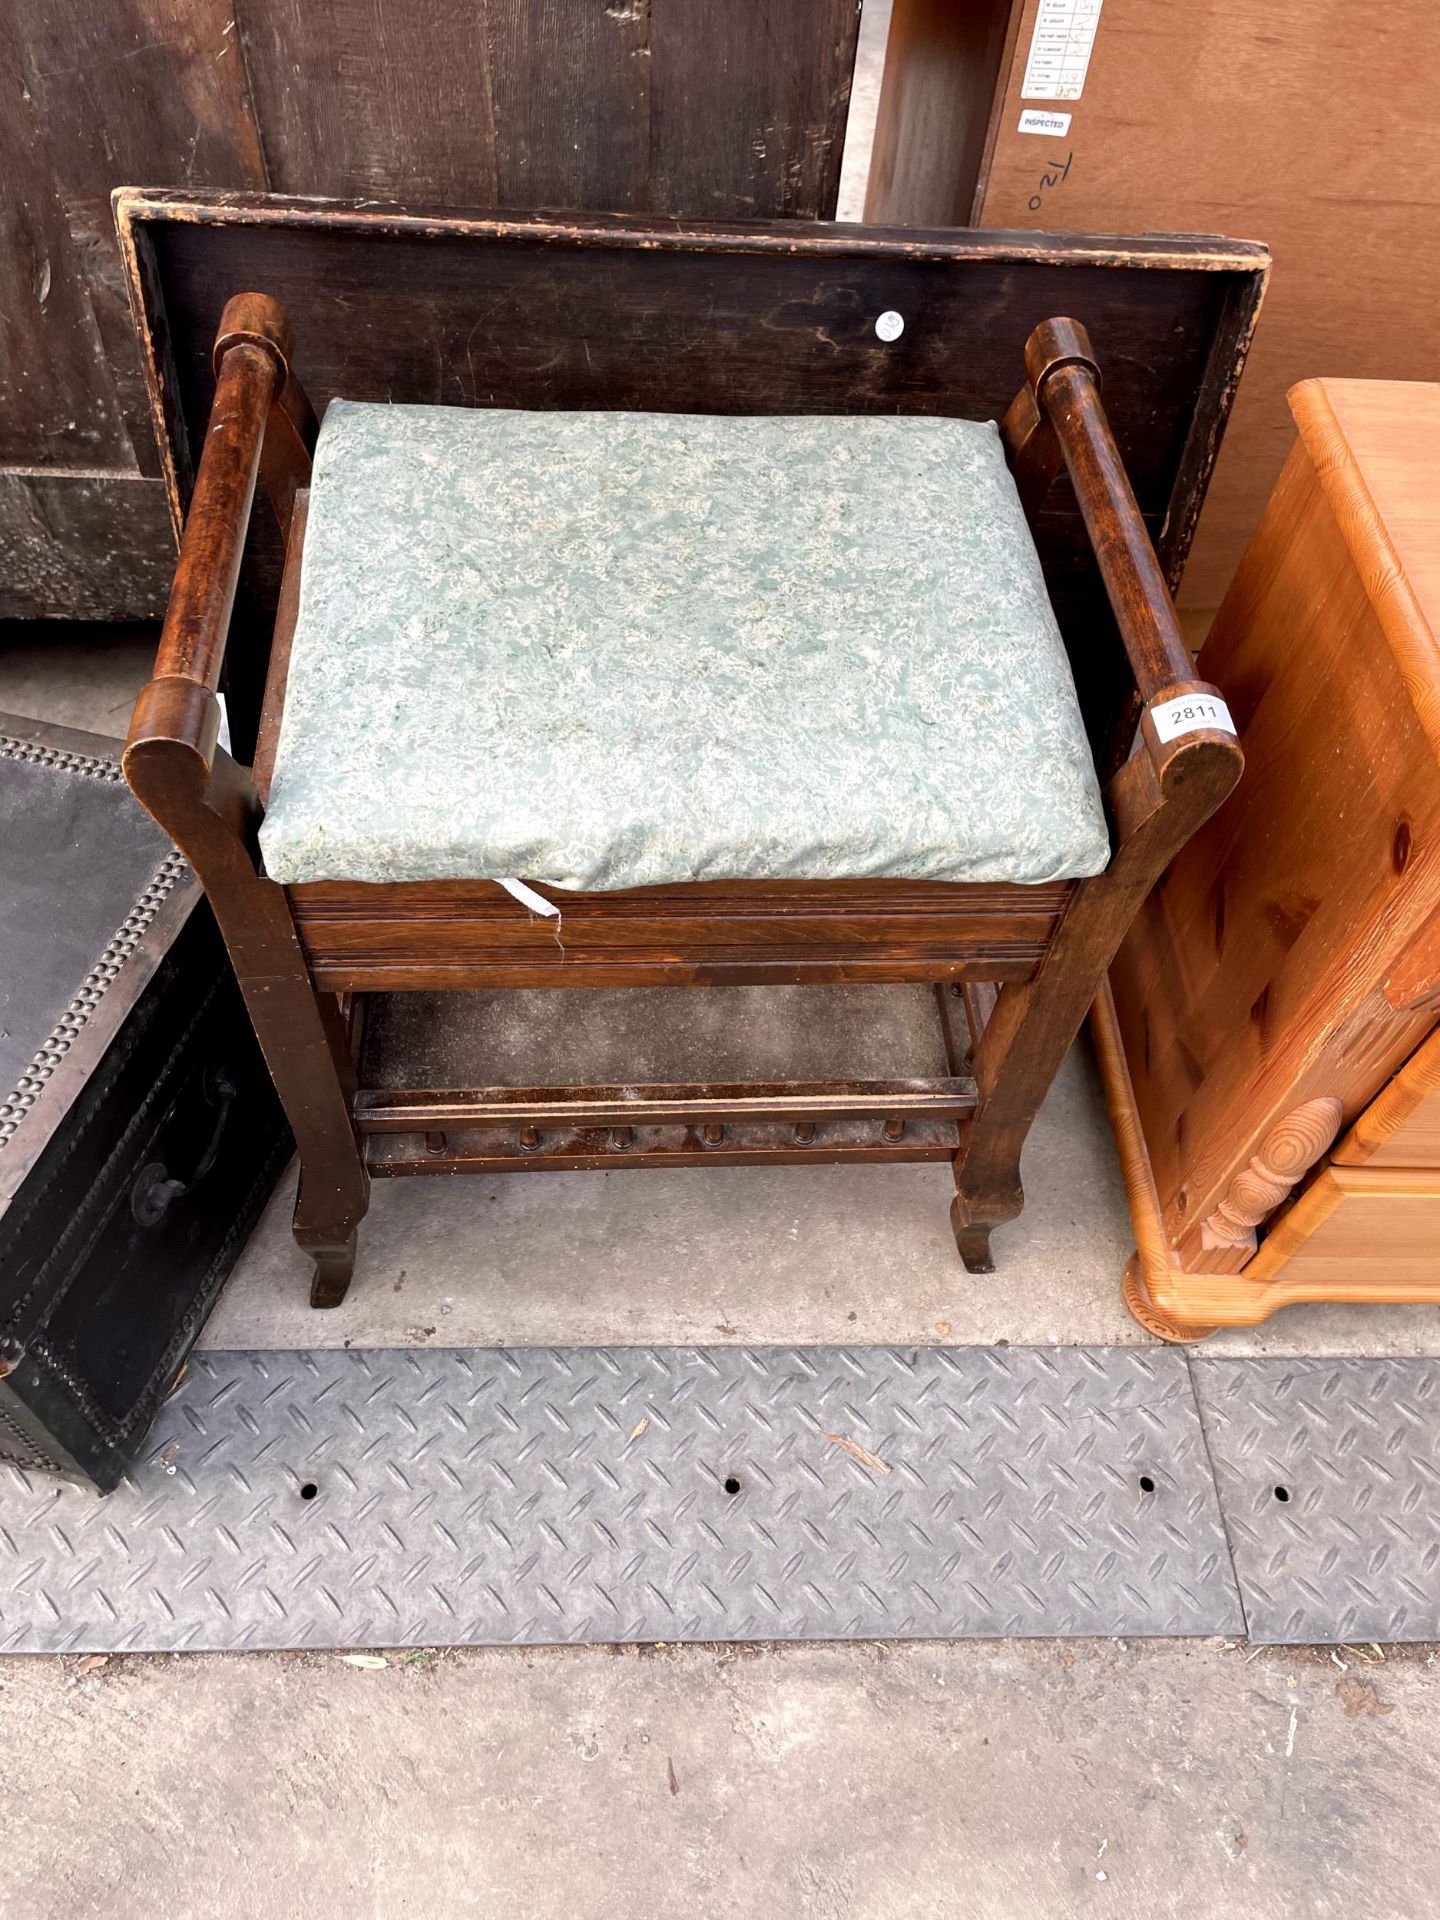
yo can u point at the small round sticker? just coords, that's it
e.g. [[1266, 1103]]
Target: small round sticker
[[890, 325]]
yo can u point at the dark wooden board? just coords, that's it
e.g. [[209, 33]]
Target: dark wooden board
[[736, 110], [481, 312], [156, 87], [57, 406], [653, 103], [159, 95], [780, 71], [937, 101], [96, 543], [371, 938]]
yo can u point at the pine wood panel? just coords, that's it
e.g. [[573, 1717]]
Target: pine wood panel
[[1360, 1232], [1401, 1126], [1354, 1234], [1293, 951]]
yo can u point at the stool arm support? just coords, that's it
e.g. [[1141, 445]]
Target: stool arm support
[[1058, 417], [1065, 379], [252, 373], [1155, 799]]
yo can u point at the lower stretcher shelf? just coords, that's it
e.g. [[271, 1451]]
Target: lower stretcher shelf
[[848, 1073]]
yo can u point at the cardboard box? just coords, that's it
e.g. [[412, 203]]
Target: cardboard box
[[1307, 124]]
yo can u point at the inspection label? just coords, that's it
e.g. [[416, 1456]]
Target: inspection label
[[1060, 50], [1037, 120]]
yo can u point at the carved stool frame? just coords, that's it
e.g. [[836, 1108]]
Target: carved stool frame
[[1015, 968]]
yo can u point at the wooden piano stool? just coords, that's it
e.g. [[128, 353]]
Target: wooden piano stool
[[240, 300]]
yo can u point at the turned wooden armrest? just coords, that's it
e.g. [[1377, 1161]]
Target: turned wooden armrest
[[1056, 419], [1065, 380], [259, 418]]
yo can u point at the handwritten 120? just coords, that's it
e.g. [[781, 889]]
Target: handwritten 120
[[1051, 177]]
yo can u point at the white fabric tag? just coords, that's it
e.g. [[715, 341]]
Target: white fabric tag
[[1190, 713], [528, 897]]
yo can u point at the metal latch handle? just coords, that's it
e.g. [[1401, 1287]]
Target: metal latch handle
[[155, 1186]]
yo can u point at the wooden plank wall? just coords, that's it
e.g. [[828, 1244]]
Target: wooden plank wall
[[725, 111]]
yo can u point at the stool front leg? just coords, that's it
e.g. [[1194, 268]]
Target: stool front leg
[[1168, 787], [208, 804]]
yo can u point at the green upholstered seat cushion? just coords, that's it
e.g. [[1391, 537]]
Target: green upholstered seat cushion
[[609, 650]]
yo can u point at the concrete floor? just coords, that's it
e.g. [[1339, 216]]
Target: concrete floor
[[754, 1256], [839, 1782], [993, 1780]]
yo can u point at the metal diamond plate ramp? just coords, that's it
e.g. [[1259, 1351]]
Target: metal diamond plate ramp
[[1329, 1474], [475, 1496]]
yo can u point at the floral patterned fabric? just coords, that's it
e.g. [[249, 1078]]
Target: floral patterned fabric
[[609, 650]]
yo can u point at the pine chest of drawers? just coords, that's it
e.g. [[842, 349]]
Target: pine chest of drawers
[[1276, 996]]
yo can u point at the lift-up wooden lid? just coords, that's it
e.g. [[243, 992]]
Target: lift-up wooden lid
[[637, 312]]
